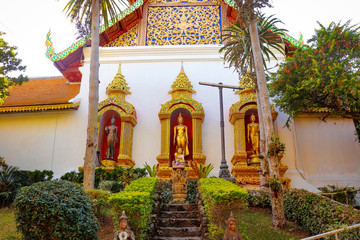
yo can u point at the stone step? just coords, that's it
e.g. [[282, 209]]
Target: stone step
[[179, 222], [179, 232], [177, 238], [179, 214], [180, 207]]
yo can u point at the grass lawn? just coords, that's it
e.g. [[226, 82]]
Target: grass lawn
[[8, 225], [257, 225]]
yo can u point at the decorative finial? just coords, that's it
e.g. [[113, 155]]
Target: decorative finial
[[118, 84], [123, 216], [182, 82]]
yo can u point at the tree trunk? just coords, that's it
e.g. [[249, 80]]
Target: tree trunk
[[90, 154], [276, 190], [263, 171]]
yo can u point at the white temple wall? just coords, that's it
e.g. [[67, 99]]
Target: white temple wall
[[43, 140], [328, 153]]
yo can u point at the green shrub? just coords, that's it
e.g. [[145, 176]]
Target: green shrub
[[121, 175], [317, 214], [220, 197], [111, 186], [312, 212], [137, 200], [192, 190], [344, 195], [55, 210], [259, 198], [164, 189], [98, 200], [11, 179]]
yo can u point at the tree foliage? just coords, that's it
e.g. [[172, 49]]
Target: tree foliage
[[322, 76], [79, 12], [9, 63], [237, 43]]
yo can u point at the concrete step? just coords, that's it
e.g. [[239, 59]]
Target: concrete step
[[181, 207], [179, 214], [179, 222], [178, 232], [177, 238]]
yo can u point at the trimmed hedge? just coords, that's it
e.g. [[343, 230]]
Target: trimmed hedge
[[220, 197], [312, 212], [55, 210], [99, 202], [137, 200]]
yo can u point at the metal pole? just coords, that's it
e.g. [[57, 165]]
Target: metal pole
[[224, 168]]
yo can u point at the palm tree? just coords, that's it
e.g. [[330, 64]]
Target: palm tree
[[83, 10], [238, 54], [246, 47]]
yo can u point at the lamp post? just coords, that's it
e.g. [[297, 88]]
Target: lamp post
[[224, 168]]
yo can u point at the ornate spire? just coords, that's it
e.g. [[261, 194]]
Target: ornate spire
[[118, 84], [247, 81], [182, 83]]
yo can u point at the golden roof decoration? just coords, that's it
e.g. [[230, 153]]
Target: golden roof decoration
[[118, 84], [182, 82]]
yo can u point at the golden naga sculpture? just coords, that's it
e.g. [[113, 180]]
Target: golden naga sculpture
[[181, 136], [111, 132]]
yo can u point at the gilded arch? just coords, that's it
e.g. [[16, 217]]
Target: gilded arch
[[181, 99], [117, 90]]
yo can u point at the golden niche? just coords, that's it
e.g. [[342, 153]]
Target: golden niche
[[116, 120], [244, 117], [181, 129]]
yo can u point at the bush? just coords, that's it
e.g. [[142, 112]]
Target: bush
[[137, 200], [220, 197], [164, 189], [344, 195], [317, 214], [55, 210], [192, 190], [98, 200], [111, 186], [11, 179], [312, 212], [259, 198], [120, 175]]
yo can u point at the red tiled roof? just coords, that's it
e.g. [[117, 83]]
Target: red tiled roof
[[42, 91]]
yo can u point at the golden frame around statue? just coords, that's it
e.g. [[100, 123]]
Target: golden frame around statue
[[244, 173], [116, 91], [181, 91]]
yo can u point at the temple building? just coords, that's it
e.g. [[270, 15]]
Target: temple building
[[151, 104]]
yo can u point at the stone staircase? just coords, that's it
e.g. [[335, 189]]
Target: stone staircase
[[179, 222]]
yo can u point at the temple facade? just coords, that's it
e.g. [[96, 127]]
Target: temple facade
[[151, 63]]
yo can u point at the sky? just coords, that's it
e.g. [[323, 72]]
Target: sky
[[26, 24]]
